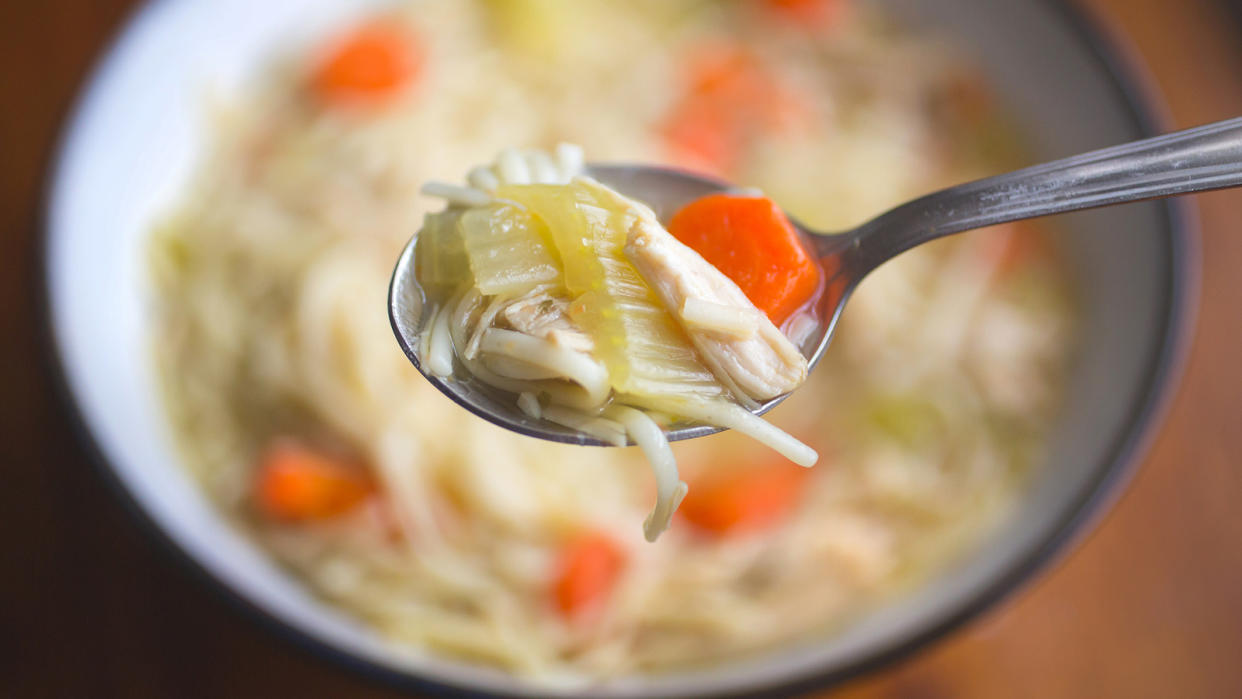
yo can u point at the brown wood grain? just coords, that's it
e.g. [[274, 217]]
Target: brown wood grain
[[1150, 605]]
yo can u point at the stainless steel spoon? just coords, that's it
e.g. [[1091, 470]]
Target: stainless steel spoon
[[1200, 159]]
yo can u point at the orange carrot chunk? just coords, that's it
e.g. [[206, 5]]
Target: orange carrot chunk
[[816, 14], [296, 483], [585, 573], [703, 136], [1024, 246], [744, 499], [730, 98], [751, 241], [374, 62]]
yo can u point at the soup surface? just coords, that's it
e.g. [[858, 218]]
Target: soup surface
[[301, 418]]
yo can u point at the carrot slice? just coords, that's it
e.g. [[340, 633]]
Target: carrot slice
[[707, 126], [1025, 247], [744, 499], [702, 136], [751, 241], [730, 96], [727, 70], [817, 14], [374, 62], [296, 483], [586, 572]]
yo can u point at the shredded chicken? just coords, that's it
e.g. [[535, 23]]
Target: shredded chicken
[[760, 367], [543, 315]]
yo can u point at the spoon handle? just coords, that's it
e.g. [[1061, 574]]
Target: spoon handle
[[1199, 159]]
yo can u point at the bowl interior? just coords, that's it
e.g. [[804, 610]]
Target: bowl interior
[[138, 131]]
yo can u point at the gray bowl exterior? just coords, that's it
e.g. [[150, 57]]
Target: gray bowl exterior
[[1137, 271]]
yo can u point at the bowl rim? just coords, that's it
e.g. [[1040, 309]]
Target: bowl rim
[[1135, 90]]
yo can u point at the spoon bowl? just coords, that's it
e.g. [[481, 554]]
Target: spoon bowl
[[1195, 160], [664, 190]]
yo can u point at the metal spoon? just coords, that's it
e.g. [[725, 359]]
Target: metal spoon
[[1200, 159]]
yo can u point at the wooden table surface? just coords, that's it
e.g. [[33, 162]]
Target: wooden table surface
[[1150, 605]]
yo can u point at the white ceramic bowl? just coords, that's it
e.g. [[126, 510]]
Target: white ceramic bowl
[[136, 134]]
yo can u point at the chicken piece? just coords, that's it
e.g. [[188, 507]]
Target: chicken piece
[[756, 366], [540, 314]]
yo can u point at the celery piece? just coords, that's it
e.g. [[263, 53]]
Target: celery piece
[[532, 27], [508, 250], [440, 256], [647, 354]]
